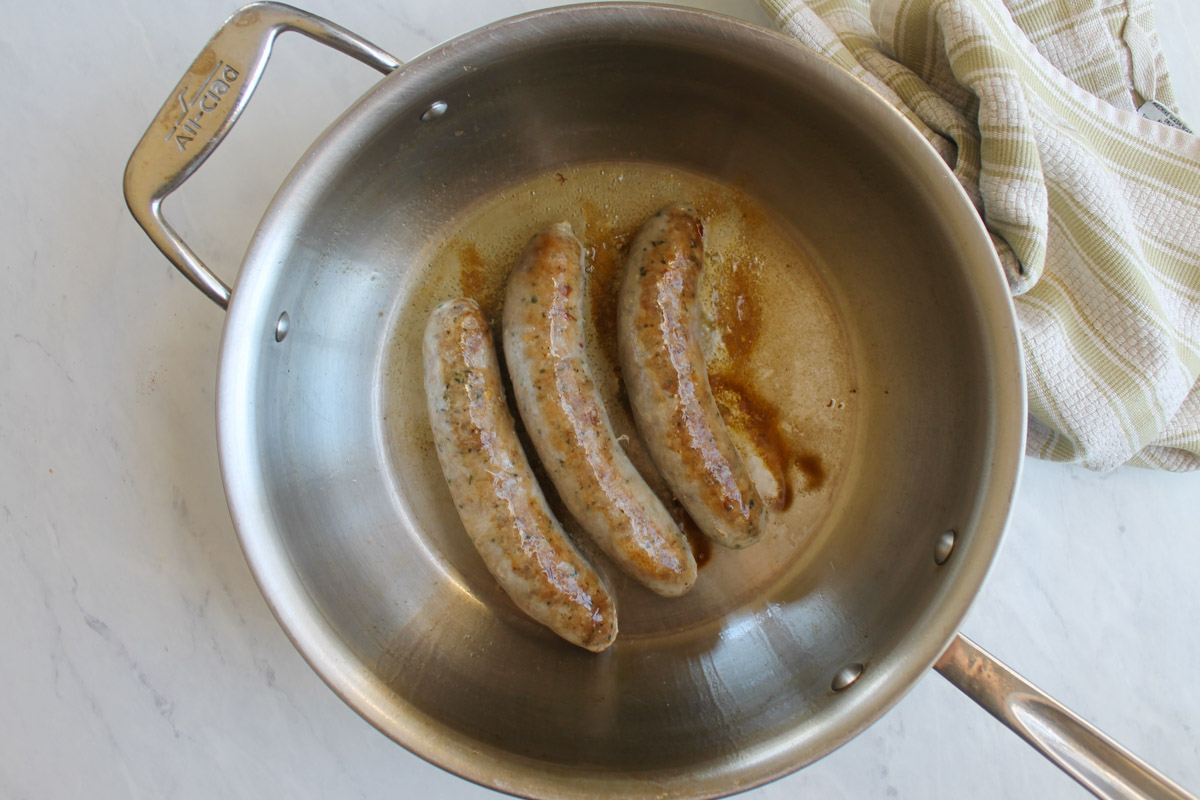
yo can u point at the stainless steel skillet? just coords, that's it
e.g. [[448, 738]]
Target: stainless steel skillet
[[348, 532]]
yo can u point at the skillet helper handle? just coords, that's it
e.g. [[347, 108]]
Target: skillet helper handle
[[1101, 765], [203, 107]]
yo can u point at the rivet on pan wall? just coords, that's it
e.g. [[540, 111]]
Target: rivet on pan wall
[[846, 676], [944, 547], [434, 111], [281, 327]]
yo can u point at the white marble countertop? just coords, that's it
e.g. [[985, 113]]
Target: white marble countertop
[[138, 657]]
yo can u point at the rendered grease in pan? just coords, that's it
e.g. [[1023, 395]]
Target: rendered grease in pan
[[776, 350]]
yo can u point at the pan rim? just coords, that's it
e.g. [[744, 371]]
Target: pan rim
[[314, 637]]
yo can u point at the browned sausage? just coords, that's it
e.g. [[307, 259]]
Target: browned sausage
[[567, 423], [662, 363], [493, 487]]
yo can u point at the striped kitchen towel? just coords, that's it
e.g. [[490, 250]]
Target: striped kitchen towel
[[1094, 209]]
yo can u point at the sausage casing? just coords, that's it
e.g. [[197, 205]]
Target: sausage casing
[[662, 363], [497, 497], [568, 425]]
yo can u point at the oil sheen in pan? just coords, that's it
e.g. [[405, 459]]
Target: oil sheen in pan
[[778, 358]]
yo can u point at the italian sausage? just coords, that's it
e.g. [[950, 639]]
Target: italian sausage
[[658, 338], [567, 423], [494, 489]]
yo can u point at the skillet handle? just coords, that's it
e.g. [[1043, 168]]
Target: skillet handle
[[1104, 768], [203, 107]]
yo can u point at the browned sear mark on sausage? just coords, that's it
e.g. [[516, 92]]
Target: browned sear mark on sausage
[[676, 284]]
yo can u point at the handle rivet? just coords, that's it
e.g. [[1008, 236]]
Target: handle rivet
[[281, 327], [944, 547], [434, 111], [846, 676]]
